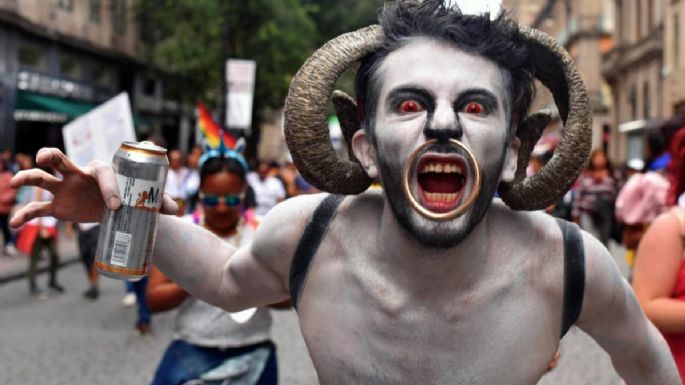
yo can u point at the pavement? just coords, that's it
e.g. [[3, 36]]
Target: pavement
[[66, 339]]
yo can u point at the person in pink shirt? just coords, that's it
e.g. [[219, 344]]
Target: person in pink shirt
[[639, 202]]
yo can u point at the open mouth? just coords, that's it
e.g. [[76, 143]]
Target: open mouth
[[441, 181]]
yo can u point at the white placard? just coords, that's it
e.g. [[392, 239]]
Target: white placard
[[240, 76], [98, 133]]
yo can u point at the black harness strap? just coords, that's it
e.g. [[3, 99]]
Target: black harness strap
[[309, 243], [574, 274]]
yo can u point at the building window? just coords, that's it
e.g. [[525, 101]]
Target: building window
[[69, 66], [618, 5], [33, 55], [149, 87], [638, 19], [676, 41], [646, 102], [679, 108], [94, 11], [66, 5], [119, 16], [632, 100], [101, 74], [650, 15]]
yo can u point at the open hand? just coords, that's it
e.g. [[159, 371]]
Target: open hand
[[81, 196]]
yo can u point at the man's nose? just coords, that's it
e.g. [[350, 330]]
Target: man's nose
[[443, 125]]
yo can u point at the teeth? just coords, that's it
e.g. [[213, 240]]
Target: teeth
[[441, 197], [446, 168]]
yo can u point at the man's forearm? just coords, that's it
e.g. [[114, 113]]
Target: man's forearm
[[192, 257]]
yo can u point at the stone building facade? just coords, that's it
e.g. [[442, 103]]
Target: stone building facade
[[585, 29], [60, 58], [635, 70]]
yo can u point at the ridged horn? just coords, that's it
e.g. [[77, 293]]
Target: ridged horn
[[306, 129], [556, 70]]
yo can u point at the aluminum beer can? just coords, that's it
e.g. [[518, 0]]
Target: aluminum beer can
[[127, 235]]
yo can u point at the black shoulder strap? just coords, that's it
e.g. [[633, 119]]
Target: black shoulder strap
[[574, 274], [309, 244]]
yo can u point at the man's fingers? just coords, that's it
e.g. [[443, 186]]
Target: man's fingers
[[555, 361], [169, 206], [35, 177], [107, 182], [56, 159], [30, 211]]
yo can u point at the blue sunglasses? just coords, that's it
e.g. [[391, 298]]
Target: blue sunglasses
[[212, 200]]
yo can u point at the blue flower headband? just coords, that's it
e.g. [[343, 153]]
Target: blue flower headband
[[224, 152]]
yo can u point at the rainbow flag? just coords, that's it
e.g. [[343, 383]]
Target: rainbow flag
[[211, 129]]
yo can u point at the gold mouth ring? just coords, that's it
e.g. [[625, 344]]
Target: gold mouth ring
[[459, 210]]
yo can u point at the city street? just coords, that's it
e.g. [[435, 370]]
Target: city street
[[67, 340]]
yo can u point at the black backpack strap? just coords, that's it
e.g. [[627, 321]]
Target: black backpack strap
[[574, 274], [309, 243]]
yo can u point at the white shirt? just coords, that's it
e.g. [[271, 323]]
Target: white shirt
[[175, 183], [268, 192]]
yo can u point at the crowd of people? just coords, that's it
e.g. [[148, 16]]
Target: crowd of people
[[641, 205]]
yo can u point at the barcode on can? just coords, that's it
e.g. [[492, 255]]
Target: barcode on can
[[122, 244]]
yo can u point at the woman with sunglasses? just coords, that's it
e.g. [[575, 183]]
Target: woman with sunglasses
[[206, 337]]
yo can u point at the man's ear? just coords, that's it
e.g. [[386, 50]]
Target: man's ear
[[510, 161], [364, 151]]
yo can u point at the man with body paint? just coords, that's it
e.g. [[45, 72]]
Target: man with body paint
[[431, 280]]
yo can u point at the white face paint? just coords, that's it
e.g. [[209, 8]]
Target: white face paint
[[428, 83]]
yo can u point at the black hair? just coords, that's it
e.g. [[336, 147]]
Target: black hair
[[498, 40], [219, 164]]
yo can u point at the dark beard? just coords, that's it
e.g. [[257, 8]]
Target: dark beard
[[438, 234]]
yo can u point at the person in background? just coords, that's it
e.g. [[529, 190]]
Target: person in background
[[659, 274], [143, 325], [176, 179], [268, 190], [87, 244], [294, 183], [206, 336], [7, 197], [638, 203], [593, 206], [45, 237], [192, 183], [643, 197], [11, 162], [657, 154]]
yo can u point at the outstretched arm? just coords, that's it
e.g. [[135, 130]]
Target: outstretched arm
[[213, 270], [612, 316], [208, 268], [253, 275]]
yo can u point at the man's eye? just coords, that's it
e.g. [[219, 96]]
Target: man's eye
[[474, 108], [409, 107]]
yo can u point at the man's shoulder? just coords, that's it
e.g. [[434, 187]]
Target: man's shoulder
[[529, 225], [285, 222], [535, 240]]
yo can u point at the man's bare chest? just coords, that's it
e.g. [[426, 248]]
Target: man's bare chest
[[367, 329]]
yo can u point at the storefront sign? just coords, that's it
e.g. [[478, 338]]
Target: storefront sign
[[31, 81]]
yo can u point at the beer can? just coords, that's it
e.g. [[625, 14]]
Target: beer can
[[127, 235]]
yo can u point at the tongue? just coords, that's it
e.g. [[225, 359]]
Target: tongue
[[441, 183]]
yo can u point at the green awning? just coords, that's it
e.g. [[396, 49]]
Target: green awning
[[37, 102]]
